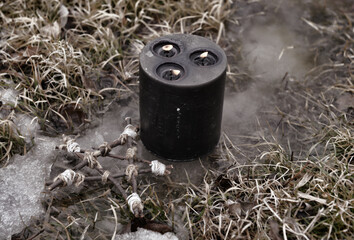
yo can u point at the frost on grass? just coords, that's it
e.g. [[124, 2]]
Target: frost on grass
[[21, 184]]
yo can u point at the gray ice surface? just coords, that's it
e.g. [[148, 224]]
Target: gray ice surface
[[273, 51], [143, 234], [22, 182], [8, 95]]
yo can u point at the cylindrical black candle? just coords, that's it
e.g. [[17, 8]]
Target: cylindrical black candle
[[182, 81]]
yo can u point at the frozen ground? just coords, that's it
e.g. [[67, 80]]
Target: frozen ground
[[21, 185], [143, 234], [274, 50], [8, 96], [271, 48]]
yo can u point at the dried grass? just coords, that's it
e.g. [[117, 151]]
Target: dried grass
[[67, 55], [70, 58], [279, 196], [11, 142], [281, 199]]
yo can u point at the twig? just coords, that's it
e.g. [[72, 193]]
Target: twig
[[115, 182], [118, 175], [59, 182], [137, 159], [131, 161]]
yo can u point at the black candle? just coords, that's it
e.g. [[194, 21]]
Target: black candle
[[182, 80]]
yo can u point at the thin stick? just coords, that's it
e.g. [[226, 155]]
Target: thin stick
[[117, 175], [116, 156], [59, 182], [131, 161], [115, 182], [137, 159], [135, 188]]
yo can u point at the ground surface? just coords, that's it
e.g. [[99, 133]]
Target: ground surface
[[284, 165]]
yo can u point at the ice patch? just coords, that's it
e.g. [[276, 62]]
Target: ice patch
[[21, 184], [143, 234], [273, 50], [27, 126], [8, 96]]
